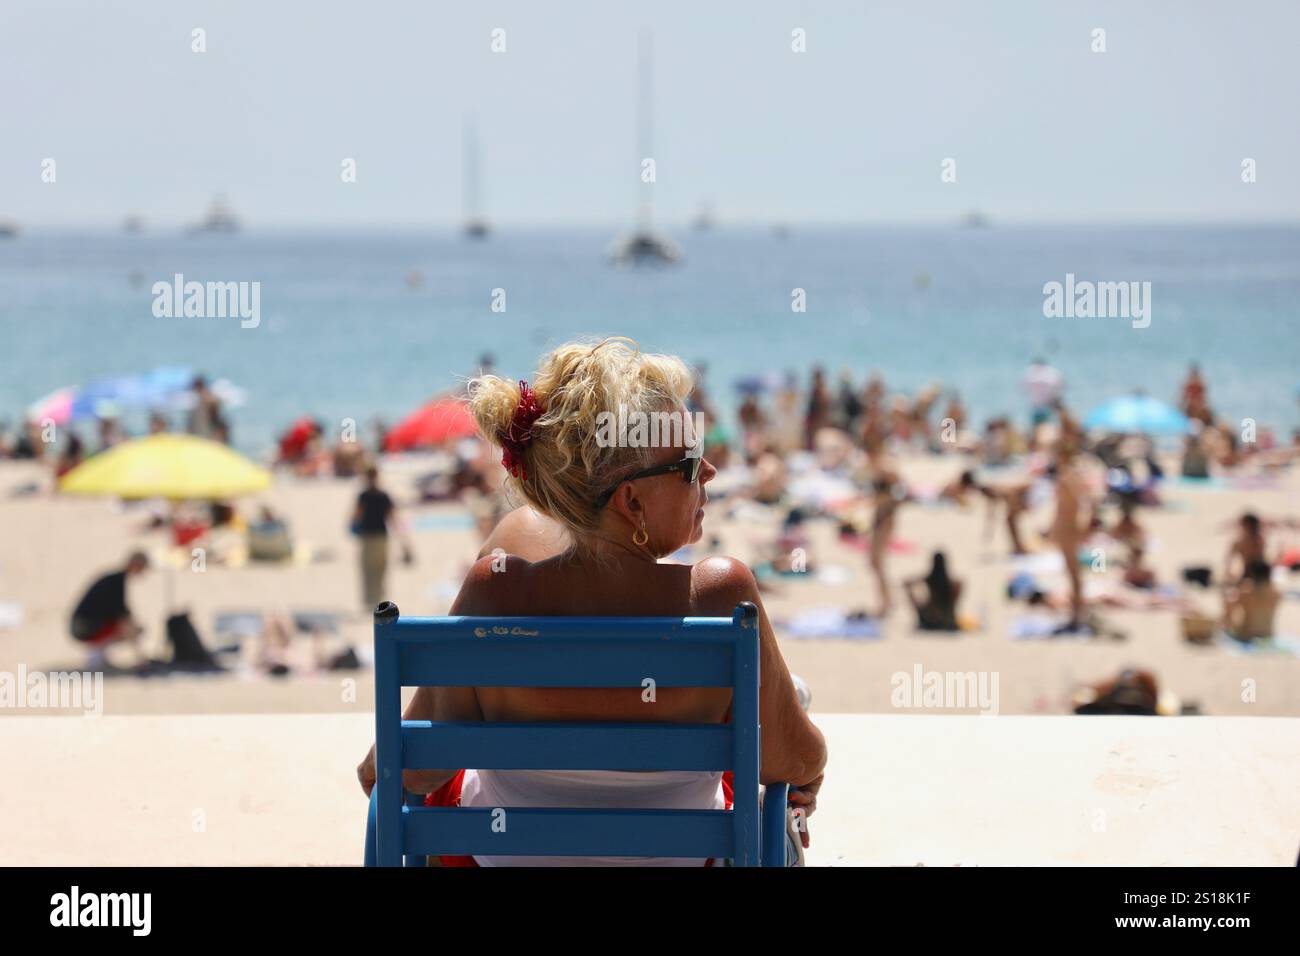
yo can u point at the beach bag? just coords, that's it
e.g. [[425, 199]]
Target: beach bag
[[187, 648], [1199, 629]]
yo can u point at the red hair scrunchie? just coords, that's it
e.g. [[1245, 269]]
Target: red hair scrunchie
[[519, 435]]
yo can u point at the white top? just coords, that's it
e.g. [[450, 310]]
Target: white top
[[1044, 385], [598, 789]]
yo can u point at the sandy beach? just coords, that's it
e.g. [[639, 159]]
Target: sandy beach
[[53, 546]]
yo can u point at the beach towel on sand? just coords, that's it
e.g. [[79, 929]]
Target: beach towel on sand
[[1285, 644], [1032, 627], [828, 624]]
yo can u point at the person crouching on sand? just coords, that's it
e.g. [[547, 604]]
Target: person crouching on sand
[[102, 616]]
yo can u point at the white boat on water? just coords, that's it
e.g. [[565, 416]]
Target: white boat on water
[[644, 248], [220, 218], [476, 225], [644, 245]]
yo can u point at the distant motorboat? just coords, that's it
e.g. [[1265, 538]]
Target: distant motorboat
[[644, 247], [220, 218], [703, 220], [8, 229], [476, 224], [975, 220], [133, 224]]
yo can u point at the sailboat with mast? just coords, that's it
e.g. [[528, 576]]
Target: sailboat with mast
[[476, 226], [645, 246]]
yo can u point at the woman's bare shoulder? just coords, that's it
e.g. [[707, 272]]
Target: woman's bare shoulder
[[528, 534], [719, 583], [493, 586]]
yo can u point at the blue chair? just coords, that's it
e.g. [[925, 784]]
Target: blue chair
[[570, 652]]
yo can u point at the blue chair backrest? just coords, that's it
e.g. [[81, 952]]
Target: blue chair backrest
[[570, 652]]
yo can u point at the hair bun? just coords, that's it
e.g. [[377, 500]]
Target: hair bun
[[492, 402]]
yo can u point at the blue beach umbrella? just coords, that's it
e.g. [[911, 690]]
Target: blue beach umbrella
[[148, 390], [1138, 414]]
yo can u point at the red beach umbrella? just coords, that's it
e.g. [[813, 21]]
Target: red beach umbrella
[[441, 420]]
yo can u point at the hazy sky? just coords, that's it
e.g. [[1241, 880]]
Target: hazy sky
[[853, 130]]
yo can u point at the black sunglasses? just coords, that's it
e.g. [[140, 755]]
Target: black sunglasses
[[688, 466]]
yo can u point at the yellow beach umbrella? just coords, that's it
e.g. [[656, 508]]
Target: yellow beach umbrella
[[179, 467]]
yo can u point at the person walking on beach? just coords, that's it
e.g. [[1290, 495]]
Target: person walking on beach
[[1194, 401], [371, 518], [1044, 385], [205, 417], [888, 492], [1070, 527], [819, 408], [102, 616]]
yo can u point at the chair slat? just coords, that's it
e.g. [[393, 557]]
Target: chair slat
[[567, 746], [566, 662], [547, 831], [438, 630]]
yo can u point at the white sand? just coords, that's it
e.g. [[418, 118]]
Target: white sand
[[52, 547]]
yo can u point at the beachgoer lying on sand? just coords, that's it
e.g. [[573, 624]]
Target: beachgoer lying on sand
[[1133, 693], [1137, 573], [937, 610], [623, 509], [790, 552], [102, 616], [1126, 530], [1249, 607]]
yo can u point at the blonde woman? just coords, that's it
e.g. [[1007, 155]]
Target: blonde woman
[[621, 509]]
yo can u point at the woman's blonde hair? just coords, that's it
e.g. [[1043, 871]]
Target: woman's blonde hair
[[565, 467]]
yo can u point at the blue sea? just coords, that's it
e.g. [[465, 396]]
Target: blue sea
[[344, 335]]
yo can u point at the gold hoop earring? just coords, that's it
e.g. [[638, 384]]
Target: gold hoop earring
[[640, 537]]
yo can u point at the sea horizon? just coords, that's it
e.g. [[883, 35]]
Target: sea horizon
[[414, 309]]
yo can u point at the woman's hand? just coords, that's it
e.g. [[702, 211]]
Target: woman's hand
[[366, 772], [413, 781], [803, 800], [805, 795]]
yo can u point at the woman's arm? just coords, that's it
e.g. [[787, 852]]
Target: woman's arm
[[793, 749], [436, 704], [429, 703]]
